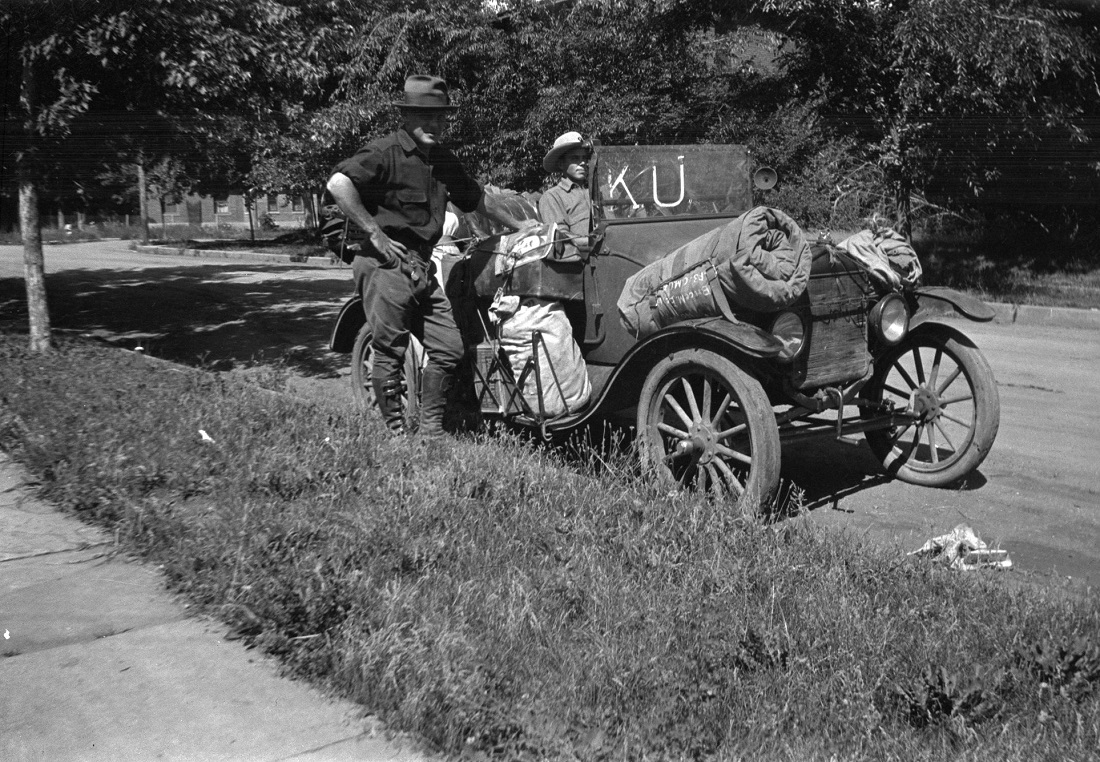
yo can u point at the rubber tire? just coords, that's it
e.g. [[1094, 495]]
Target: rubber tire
[[702, 368], [362, 368], [981, 418]]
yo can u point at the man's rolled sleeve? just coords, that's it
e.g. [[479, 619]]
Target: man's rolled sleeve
[[364, 169]]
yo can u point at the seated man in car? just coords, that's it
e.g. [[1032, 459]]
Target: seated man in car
[[567, 202]]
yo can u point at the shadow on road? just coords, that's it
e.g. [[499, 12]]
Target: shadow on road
[[829, 470], [216, 317]]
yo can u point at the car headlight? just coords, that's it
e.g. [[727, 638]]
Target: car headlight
[[890, 319], [789, 329]]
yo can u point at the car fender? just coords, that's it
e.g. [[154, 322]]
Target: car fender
[[718, 334], [935, 302], [744, 337], [714, 332], [348, 323]]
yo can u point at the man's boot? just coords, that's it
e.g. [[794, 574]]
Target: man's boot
[[390, 394], [435, 390]]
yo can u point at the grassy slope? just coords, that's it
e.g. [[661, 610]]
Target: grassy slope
[[484, 595]]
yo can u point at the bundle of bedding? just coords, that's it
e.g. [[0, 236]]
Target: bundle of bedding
[[887, 256], [759, 262]]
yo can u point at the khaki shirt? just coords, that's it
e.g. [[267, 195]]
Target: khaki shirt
[[567, 204]]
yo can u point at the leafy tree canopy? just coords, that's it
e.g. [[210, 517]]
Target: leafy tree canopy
[[906, 75], [118, 79], [267, 95]]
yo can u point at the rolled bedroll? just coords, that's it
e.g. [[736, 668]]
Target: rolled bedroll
[[759, 261]]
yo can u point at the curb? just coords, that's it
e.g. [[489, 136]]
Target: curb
[[245, 256], [1054, 317], [1007, 314]]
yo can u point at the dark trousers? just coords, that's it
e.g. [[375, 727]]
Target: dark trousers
[[396, 307]]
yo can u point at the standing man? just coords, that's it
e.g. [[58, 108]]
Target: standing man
[[396, 189], [567, 203]]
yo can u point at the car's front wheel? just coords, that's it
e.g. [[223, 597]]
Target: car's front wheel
[[705, 424], [943, 382]]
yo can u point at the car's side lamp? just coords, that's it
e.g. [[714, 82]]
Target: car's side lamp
[[791, 331], [890, 319]]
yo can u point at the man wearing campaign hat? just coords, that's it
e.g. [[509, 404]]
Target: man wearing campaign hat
[[395, 190], [567, 204]]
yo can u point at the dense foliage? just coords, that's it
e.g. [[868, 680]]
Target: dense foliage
[[92, 86], [858, 104], [956, 97]]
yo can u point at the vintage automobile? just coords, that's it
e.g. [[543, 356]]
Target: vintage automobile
[[712, 399]]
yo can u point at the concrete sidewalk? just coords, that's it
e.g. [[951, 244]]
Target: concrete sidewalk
[[99, 662]]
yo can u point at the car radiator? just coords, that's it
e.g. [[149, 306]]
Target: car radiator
[[838, 352]]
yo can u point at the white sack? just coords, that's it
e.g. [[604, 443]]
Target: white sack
[[563, 373]]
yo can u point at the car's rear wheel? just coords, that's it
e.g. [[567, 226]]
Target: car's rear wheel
[[362, 368], [944, 380], [705, 424]]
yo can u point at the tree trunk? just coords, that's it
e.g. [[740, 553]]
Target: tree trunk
[[30, 225], [248, 201], [143, 202], [314, 215], [34, 264]]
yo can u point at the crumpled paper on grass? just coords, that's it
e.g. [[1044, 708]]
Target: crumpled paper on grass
[[962, 550]]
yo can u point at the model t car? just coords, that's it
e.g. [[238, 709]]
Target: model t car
[[713, 393]]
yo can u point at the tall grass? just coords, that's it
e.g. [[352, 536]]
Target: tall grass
[[484, 595]]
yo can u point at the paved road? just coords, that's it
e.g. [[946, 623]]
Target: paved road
[[217, 313], [1037, 494]]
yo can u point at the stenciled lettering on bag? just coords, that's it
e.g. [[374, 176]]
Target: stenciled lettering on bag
[[688, 289]]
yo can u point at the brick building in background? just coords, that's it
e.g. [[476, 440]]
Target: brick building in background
[[221, 212]]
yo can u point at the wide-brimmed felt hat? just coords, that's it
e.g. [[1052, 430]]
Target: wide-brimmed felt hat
[[423, 91], [564, 143]]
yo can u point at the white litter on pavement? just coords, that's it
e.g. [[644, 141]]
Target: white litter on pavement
[[963, 550]]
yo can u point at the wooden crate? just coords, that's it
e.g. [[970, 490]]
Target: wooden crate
[[838, 349]]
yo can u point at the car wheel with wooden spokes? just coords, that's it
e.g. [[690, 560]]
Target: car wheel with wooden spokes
[[707, 425], [948, 402]]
